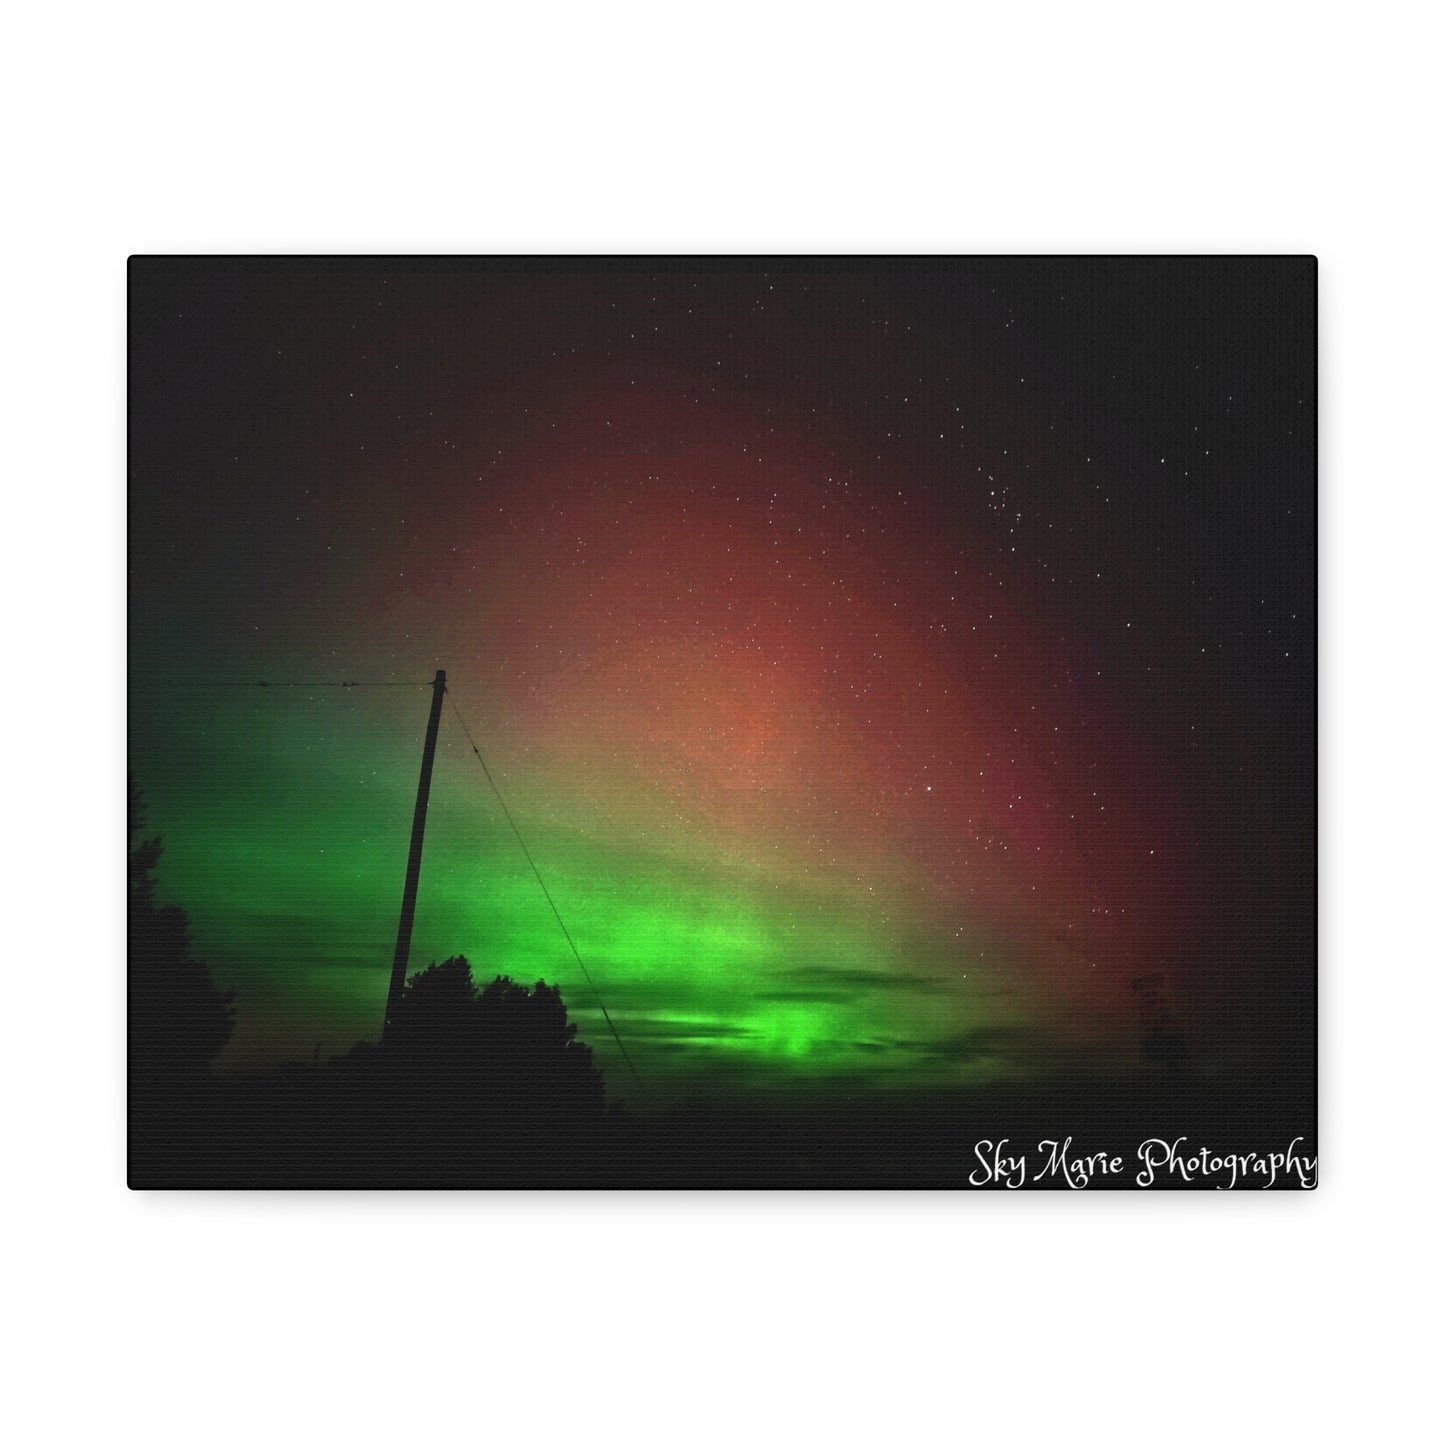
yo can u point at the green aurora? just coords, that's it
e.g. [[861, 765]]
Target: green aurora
[[287, 846]]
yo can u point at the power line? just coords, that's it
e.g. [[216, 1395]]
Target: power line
[[190, 683], [541, 883]]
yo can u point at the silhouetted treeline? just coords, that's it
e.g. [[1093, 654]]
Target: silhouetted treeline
[[178, 1019], [500, 1044]]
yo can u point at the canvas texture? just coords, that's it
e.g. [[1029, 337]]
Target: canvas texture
[[722, 723]]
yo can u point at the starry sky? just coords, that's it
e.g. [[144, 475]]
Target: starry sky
[[885, 661]]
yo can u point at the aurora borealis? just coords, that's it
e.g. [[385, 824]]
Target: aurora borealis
[[885, 662]]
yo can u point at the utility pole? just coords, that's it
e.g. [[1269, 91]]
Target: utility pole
[[413, 862]]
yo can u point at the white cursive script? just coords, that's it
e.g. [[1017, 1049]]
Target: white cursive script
[[1162, 1158]]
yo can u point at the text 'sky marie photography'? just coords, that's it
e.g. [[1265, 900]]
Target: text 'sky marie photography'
[[1158, 1162], [696, 722]]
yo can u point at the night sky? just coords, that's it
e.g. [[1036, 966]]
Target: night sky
[[885, 662]]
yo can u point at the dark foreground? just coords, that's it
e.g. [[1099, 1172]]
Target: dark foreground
[[307, 1130]]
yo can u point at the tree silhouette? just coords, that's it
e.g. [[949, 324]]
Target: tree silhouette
[[178, 1019], [505, 1043]]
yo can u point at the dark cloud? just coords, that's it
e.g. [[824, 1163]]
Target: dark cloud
[[666, 1028], [862, 978], [803, 995], [1015, 1042]]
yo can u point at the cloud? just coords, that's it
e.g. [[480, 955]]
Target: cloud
[[803, 995], [864, 978], [1001, 1041], [670, 1028]]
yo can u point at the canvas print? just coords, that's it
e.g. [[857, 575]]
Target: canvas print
[[722, 723]]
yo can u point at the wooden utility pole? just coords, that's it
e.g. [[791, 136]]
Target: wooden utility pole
[[413, 862]]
